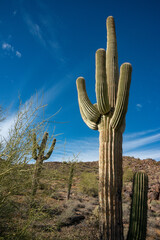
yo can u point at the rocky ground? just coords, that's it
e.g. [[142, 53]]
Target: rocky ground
[[54, 217]]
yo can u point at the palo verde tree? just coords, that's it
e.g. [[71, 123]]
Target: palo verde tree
[[108, 117], [16, 146], [38, 155]]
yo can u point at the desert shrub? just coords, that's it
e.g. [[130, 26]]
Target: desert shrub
[[89, 184], [15, 173], [68, 215], [127, 175], [65, 218]]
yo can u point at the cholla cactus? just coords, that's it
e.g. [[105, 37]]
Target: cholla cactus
[[40, 157], [108, 116]]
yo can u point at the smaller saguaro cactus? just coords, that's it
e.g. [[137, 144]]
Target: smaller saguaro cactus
[[38, 155], [138, 215]]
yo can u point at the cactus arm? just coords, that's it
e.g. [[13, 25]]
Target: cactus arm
[[101, 82], [112, 61], [122, 96], [138, 216], [43, 144], [89, 110], [50, 150], [34, 147], [89, 123]]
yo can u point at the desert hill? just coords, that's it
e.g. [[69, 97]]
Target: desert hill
[[55, 217]]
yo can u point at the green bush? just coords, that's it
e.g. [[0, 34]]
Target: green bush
[[89, 184], [127, 175]]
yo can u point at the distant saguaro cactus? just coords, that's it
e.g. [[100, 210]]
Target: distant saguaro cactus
[[108, 116], [38, 155]]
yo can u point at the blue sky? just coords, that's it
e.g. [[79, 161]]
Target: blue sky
[[45, 45]]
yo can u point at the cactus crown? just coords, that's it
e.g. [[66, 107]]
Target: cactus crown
[[112, 90]]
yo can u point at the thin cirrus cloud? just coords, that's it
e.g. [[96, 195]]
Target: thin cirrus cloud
[[131, 136], [9, 50], [34, 29], [43, 32], [139, 142], [139, 145], [40, 98], [6, 125]]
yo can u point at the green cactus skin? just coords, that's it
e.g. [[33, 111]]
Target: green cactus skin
[[108, 117], [40, 158], [138, 216]]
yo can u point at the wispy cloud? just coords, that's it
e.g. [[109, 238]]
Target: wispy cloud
[[8, 47], [34, 29], [18, 54], [140, 145], [139, 106], [58, 88], [42, 28], [130, 136], [139, 142], [86, 149], [6, 125], [10, 50], [153, 153], [145, 144], [40, 98], [11, 117]]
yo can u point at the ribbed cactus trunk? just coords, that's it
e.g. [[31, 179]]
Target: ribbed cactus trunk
[[110, 184], [108, 117]]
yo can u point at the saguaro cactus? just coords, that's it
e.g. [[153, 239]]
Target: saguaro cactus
[[138, 215], [38, 155], [108, 116]]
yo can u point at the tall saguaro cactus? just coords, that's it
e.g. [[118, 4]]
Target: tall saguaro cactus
[[108, 117], [38, 155]]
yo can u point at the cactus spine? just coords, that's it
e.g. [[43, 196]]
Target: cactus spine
[[38, 155], [108, 116], [138, 215]]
